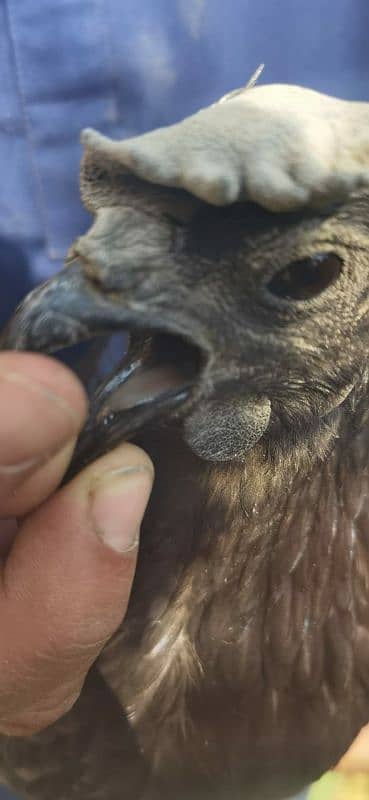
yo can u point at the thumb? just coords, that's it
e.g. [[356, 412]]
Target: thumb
[[66, 585]]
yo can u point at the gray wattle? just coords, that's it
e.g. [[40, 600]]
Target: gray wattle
[[224, 430]]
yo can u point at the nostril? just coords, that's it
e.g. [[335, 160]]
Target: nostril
[[94, 271], [75, 250], [91, 271]]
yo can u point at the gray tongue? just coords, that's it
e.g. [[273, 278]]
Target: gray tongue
[[141, 389]]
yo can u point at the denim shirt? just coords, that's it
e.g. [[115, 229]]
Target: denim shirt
[[124, 67]]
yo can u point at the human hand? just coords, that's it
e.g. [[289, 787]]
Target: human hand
[[357, 757], [68, 564]]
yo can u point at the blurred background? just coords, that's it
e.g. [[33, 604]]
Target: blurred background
[[124, 67]]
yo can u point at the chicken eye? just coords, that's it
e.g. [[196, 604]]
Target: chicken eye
[[306, 278]]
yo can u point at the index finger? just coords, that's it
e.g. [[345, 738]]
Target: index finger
[[42, 409]]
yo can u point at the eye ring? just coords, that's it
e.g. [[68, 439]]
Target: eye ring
[[306, 278]]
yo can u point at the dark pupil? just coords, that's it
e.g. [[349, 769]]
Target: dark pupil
[[306, 278]]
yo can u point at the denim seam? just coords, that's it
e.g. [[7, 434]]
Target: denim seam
[[54, 253], [28, 127], [109, 59]]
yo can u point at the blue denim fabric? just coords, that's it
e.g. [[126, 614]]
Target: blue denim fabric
[[125, 66]]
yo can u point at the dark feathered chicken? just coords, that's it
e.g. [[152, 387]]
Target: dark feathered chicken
[[242, 668]]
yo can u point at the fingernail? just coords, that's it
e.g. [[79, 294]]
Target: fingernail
[[118, 502], [22, 467]]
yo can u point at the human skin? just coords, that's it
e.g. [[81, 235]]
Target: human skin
[[67, 555]]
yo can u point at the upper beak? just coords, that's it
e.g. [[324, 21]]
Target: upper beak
[[62, 312]]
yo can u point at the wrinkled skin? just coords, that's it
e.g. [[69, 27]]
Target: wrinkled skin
[[242, 666]]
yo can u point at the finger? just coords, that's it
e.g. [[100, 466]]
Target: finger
[[357, 757], [42, 409], [66, 585]]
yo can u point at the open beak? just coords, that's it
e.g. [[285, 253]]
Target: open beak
[[152, 380]]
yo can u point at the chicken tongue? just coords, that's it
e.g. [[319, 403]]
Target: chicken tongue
[[144, 387]]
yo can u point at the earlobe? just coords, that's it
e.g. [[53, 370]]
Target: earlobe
[[226, 429]]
